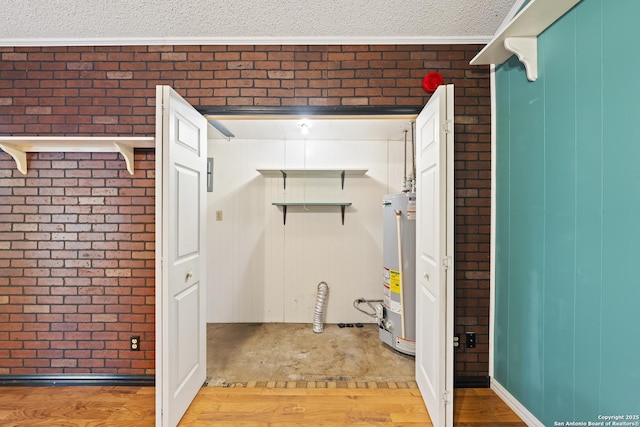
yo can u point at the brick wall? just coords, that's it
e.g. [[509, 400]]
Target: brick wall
[[111, 91], [77, 260]]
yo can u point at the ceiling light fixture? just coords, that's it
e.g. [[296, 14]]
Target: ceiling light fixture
[[304, 126]]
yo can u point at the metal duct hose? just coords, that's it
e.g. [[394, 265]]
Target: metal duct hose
[[318, 312]]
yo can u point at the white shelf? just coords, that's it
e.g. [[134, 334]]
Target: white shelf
[[311, 203], [520, 37], [18, 146], [284, 205], [311, 173]]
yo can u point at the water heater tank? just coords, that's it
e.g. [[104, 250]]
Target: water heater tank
[[397, 327]]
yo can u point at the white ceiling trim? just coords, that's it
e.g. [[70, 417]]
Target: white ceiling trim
[[223, 41]]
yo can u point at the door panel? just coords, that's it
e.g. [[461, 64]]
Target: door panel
[[181, 267], [187, 333], [434, 253], [187, 233]]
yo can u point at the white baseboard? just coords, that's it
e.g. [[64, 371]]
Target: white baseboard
[[516, 406]]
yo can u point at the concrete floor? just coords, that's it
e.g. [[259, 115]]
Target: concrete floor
[[244, 352]]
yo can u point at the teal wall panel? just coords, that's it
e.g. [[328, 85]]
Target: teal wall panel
[[567, 210], [501, 312], [557, 67], [621, 200], [526, 265], [589, 149]]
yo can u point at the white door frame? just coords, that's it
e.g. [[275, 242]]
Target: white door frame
[[492, 239]]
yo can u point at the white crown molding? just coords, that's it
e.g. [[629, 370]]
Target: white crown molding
[[223, 41]]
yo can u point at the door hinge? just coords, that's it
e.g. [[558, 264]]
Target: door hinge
[[446, 262], [447, 126], [446, 397]]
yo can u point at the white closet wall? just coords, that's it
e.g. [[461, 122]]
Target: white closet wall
[[263, 271]]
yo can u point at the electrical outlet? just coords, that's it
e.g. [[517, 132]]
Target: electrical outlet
[[135, 343], [218, 215], [471, 340]]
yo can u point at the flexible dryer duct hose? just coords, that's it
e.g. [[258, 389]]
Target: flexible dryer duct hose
[[318, 312]]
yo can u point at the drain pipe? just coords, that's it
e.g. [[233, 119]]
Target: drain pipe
[[405, 182], [319, 310], [413, 156], [399, 230]]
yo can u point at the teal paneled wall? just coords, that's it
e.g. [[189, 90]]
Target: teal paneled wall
[[568, 219]]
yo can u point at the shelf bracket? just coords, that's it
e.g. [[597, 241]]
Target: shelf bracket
[[342, 209], [284, 179], [127, 153], [520, 35], [526, 49], [342, 178], [18, 155], [284, 215]]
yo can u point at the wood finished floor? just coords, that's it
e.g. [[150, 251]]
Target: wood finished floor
[[245, 407]]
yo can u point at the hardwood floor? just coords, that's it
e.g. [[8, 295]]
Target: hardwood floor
[[77, 406], [255, 407]]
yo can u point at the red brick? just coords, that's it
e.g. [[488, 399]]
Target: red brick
[[71, 90]]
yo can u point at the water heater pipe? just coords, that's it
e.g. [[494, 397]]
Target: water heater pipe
[[405, 179], [413, 155], [318, 312], [399, 229]]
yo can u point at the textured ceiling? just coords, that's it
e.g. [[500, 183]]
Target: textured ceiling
[[73, 22]]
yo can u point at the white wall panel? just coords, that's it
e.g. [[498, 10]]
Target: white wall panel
[[264, 271]]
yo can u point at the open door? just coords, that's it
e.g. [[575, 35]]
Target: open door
[[434, 256], [181, 138]]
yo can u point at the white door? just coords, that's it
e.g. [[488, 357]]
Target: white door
[[434, 256], [181, 134]]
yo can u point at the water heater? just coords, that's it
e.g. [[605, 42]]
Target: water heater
[[397, 315]]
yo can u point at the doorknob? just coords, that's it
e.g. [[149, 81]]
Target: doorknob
[[425, 275], [189, 276]]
